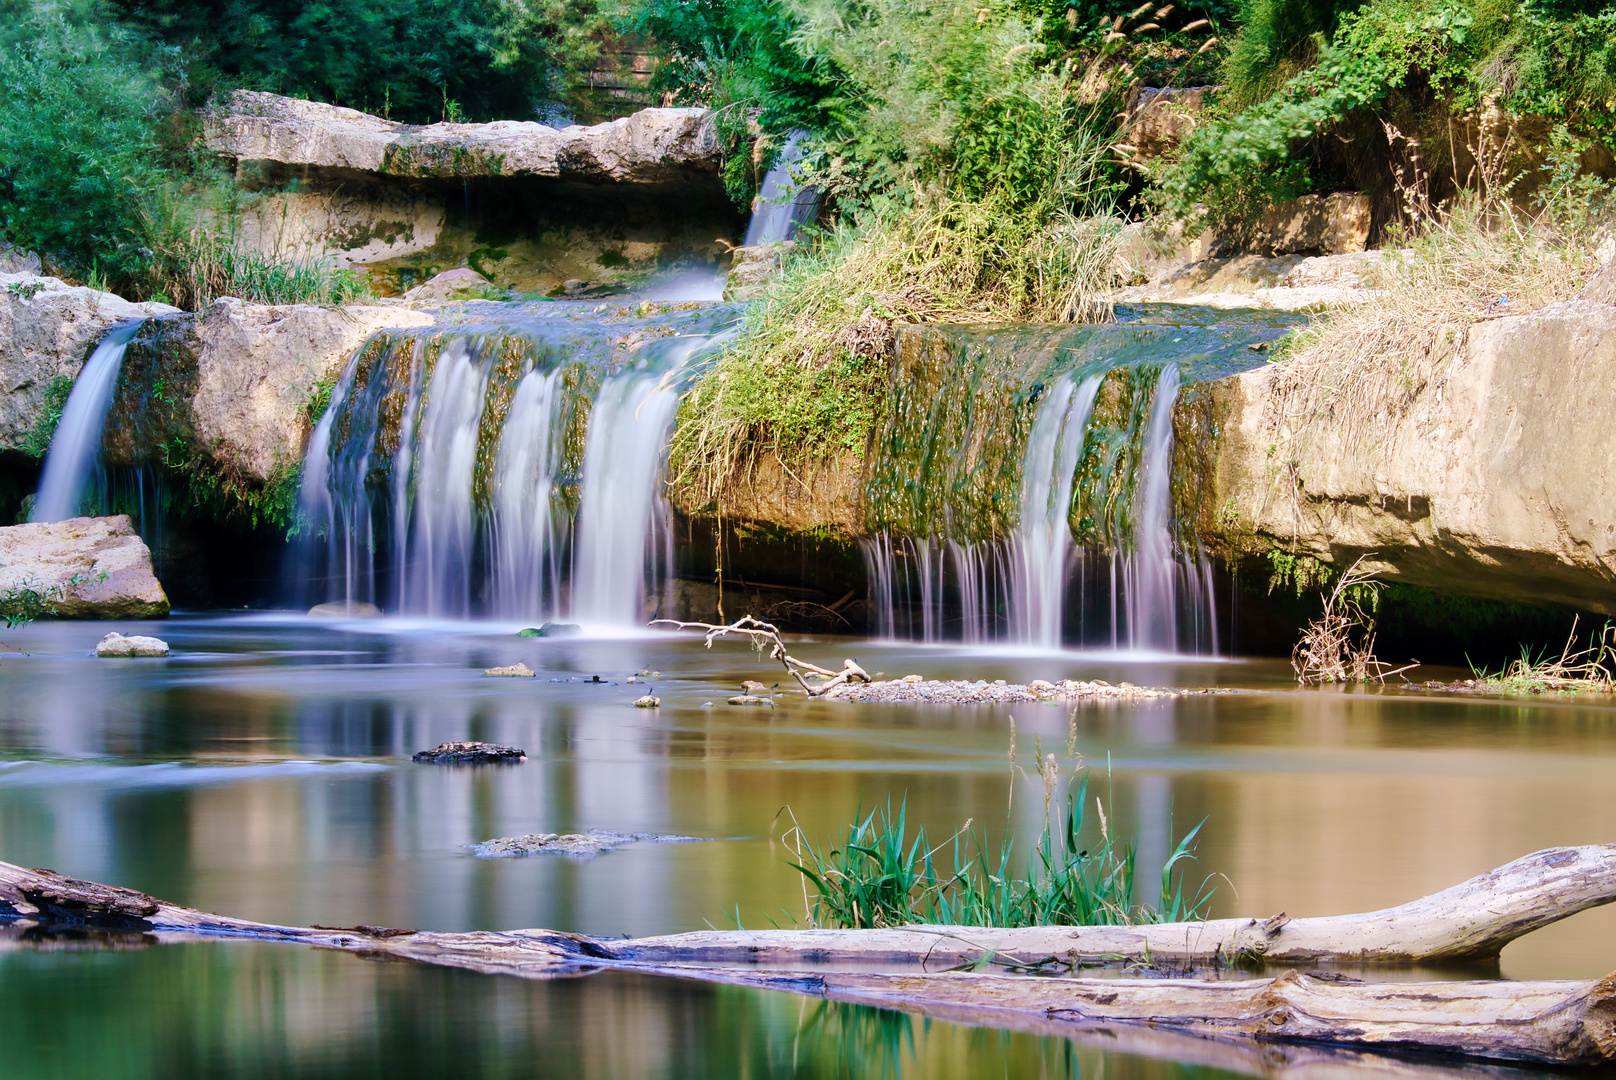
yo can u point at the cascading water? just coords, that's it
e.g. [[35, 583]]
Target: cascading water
[[1044, 539], [1078, 423], [510, 470], [72, 456], [1150, 569], [784, 204]]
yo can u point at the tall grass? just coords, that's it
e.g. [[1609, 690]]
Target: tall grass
[[883, 874]]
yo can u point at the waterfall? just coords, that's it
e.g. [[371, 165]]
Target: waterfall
[[527, 541], [783, 204], [1044, 539], [1150, 571], [628, 429], [73, 449], [512, 470]]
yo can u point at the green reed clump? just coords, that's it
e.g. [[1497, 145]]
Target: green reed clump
[[884, 875]]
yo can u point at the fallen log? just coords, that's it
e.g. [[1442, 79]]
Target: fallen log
[[1562, 1023]]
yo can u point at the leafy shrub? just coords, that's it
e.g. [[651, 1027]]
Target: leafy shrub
[[418, 61]]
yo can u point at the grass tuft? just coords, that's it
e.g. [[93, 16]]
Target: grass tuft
[[884, 875]]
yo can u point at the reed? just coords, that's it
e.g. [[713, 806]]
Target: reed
[[885, 874], [1573, 671]]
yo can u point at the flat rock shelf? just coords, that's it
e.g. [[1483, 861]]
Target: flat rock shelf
[[1563, 1023], [962, 691]]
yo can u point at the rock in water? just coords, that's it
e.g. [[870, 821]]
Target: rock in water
[[342, 609], [455, 284], [118, 645], [470, 753], [551, 629], [647, 702], [751, 699], [577, 845], [517, 670], [84, 568]]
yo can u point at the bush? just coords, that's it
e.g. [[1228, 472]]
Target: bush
[[417, 61], [78, 154]]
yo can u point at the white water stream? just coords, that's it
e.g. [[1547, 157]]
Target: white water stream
[[71, 459]]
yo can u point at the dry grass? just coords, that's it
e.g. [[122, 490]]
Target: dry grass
[[806, 377], [1575, 671], [1339, 646], [1481, 257]]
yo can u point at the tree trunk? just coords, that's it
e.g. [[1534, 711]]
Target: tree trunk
[[1568, 1023]]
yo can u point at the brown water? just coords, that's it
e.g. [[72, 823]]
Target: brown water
[[263, 772]]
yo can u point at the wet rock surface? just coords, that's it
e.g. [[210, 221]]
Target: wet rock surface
[[114, 645], [981, 692], [85, 568], [576, 845], [470, 753]]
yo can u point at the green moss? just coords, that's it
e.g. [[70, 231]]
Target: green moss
[[37, 442]]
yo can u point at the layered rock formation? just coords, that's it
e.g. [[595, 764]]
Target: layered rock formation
[[653, 146], [83, 568], [1490, 471], [47, 330], [529, 206]]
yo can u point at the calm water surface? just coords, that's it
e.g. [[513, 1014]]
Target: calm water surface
[[263, 772]]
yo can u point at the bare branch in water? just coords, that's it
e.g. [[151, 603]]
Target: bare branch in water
[[766, 635]]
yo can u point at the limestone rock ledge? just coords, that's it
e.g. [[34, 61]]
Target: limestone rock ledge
[[91, 568], [47, 330], [650, 147], [1490, 471]]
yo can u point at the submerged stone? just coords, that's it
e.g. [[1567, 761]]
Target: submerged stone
[[341, 609], [551, 629], [517, 670], [117, 645], [470, 753], [577, 845]]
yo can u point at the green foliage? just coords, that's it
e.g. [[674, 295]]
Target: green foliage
[[23, 604], [418, 61], [882, 875], [1238, 164], [50, 414], [79, 98]]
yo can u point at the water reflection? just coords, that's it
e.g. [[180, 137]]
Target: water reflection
[[264, 773]]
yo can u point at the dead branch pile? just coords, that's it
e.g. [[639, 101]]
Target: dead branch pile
[[1339, 646], [767, 636]]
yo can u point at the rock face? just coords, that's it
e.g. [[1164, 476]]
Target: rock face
[[88, 568], [651, 146], [47, 330], [240, 377], [114, 645], [1159, 119], [1488, 472]]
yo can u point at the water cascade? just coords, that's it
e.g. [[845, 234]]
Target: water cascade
[[71, 460], [1077, 423], [783, 205], [511, 469], [1044, 539]]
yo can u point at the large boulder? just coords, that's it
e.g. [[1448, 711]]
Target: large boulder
[[47, 330], [86, 568], [652, 146], [1488, 469]]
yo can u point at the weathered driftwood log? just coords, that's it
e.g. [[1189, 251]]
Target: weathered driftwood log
[[763, 634], [1572, 1023]]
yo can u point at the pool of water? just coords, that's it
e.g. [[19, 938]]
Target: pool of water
[[263, 772]]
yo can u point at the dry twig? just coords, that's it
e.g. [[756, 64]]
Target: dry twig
[[1339, 646], [767, 635]]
